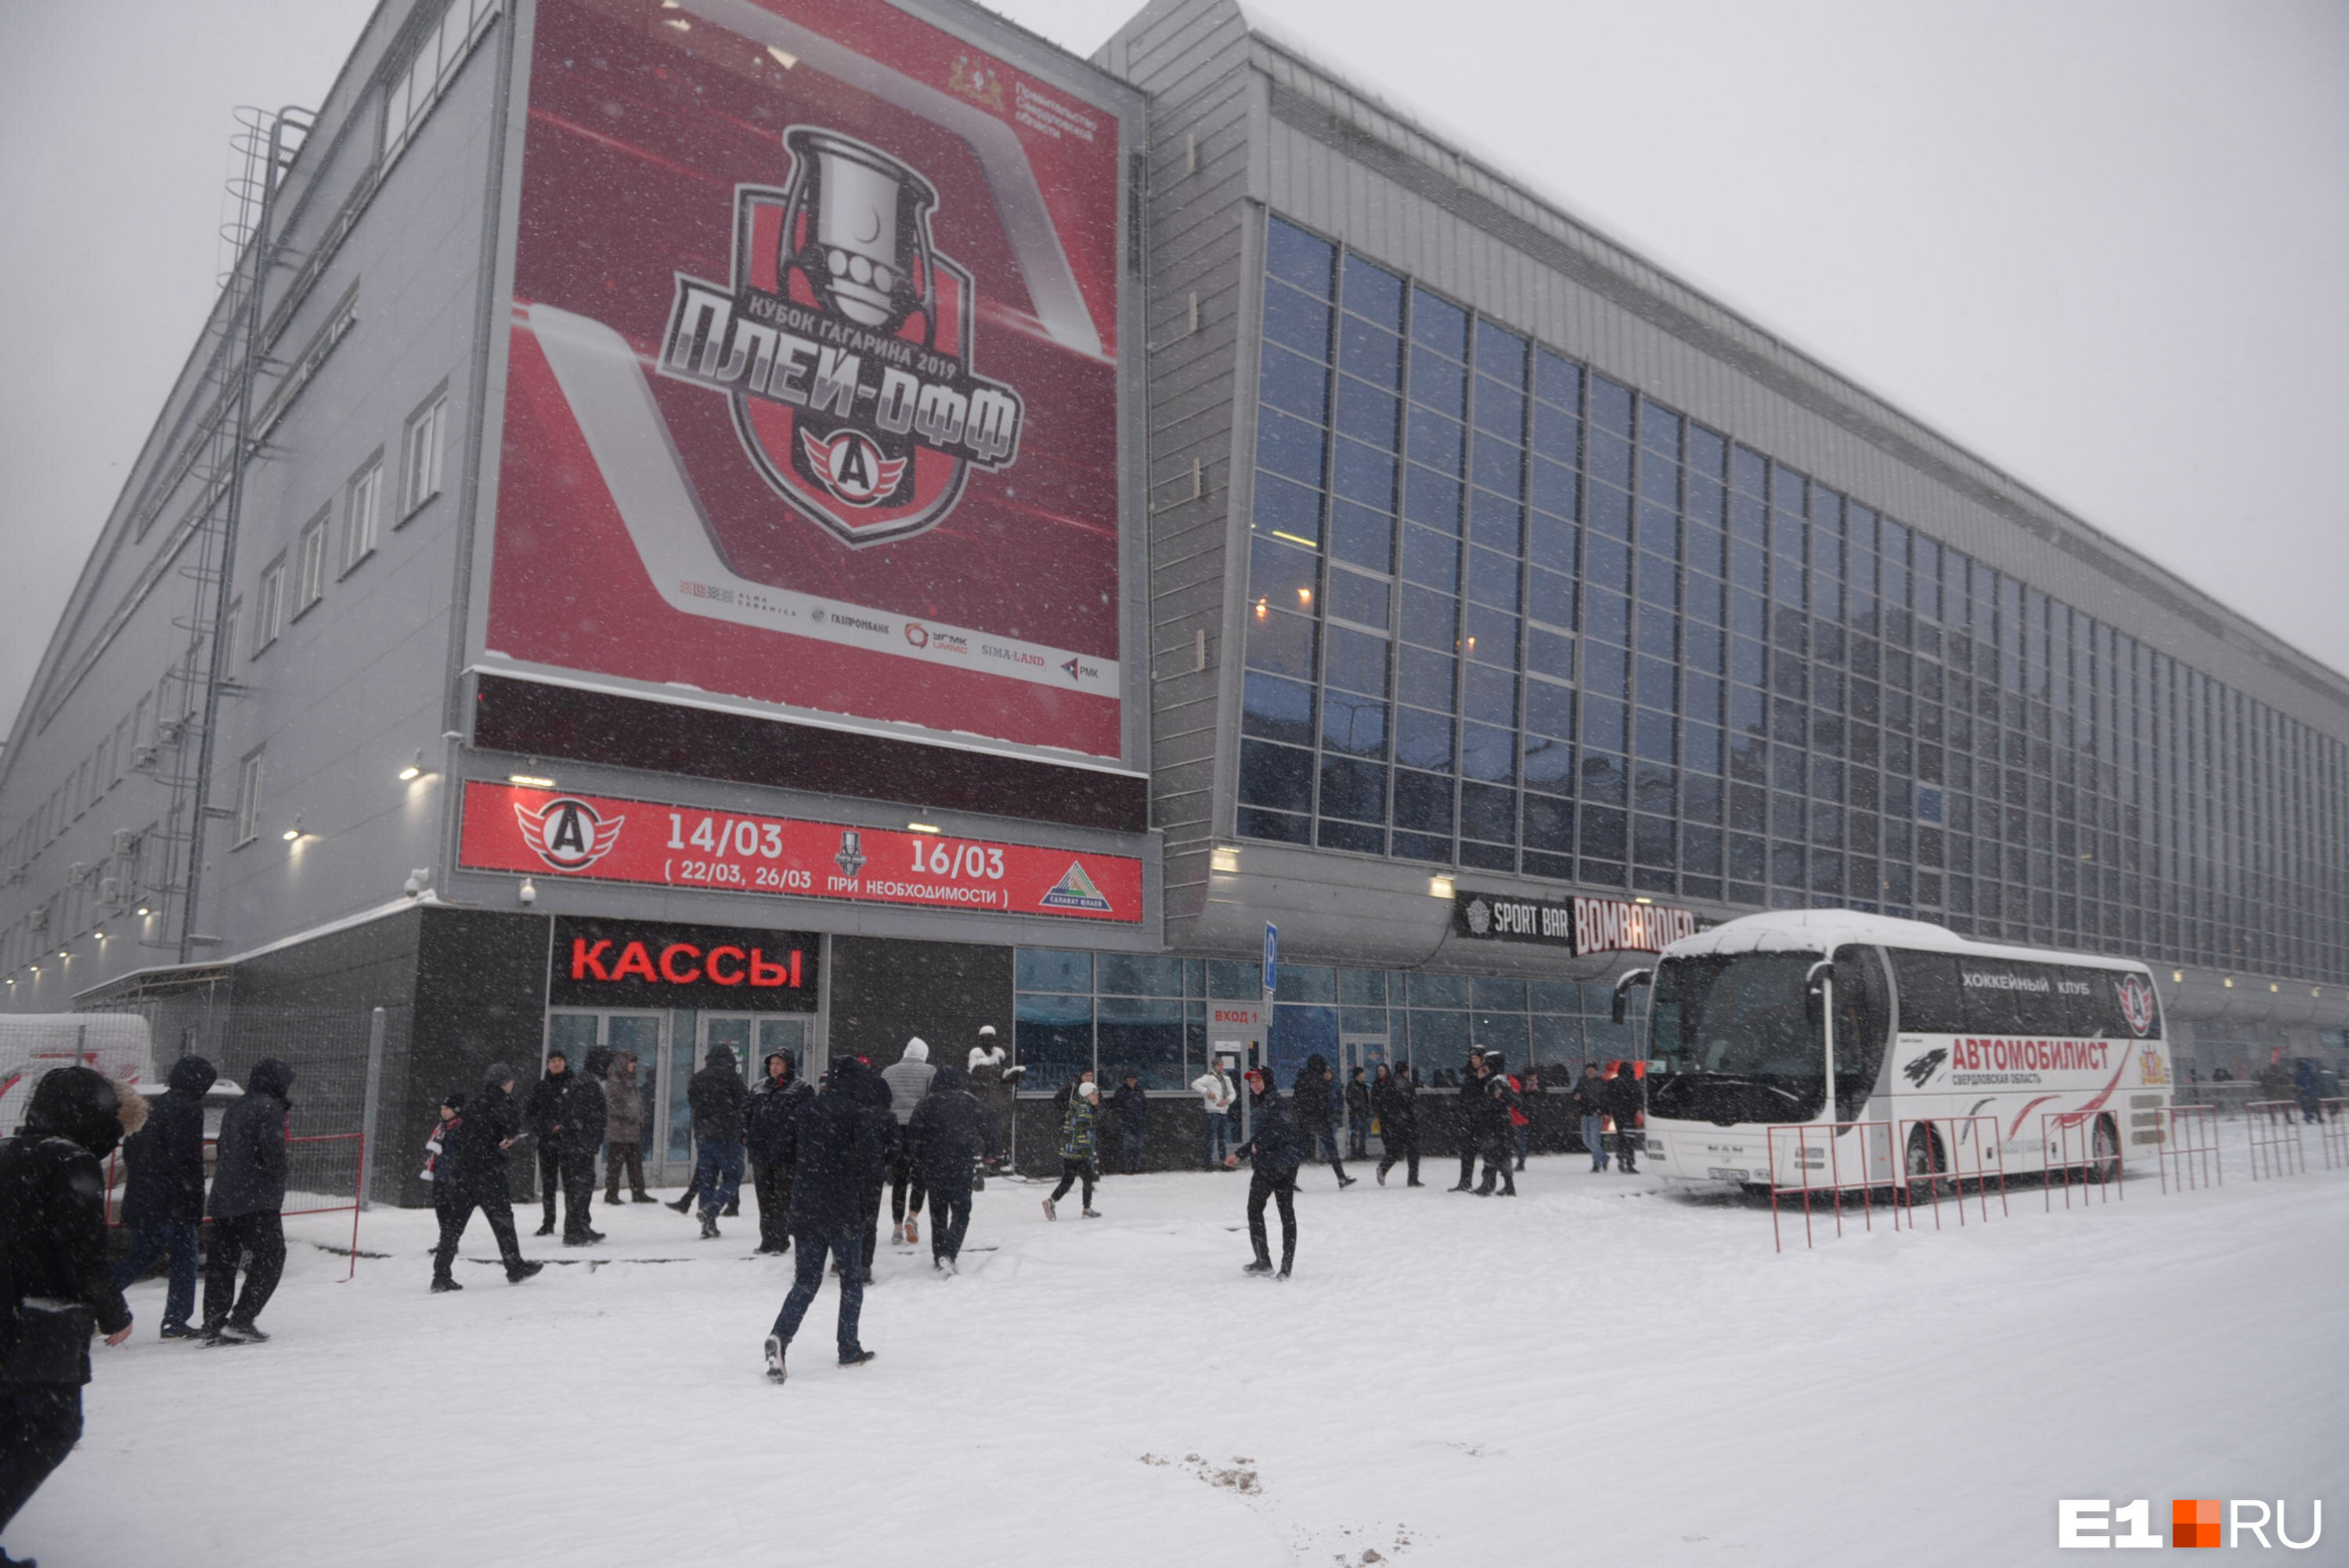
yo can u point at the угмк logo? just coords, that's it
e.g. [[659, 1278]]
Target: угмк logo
[[843, 340], [2136, 1003], [567, 834]]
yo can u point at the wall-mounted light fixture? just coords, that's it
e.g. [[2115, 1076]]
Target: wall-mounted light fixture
[[530, 782], [293, 835], [921, 827], [414, 770]]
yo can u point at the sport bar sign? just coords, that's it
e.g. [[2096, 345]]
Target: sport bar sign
[[1583, 925], [600, 838]]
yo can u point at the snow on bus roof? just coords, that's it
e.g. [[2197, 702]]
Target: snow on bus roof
[[1816, 929]]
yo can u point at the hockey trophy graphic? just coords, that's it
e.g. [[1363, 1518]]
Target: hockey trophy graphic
[[857, 226]]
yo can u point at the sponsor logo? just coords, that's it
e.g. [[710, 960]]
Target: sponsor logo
[[1075, 891], [1480, 916], [2221, 1523], [2136, 1003], [851, 858], [843, 344], [918, 634], [567, 834], [976, 83], [1925, 1066]]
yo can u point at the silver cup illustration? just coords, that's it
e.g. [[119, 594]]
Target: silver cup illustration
[[857, 226]]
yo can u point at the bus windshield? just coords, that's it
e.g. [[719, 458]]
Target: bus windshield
[[1734, 1033]]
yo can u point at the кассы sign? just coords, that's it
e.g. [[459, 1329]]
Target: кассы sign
[[1578, 924], [652, 964]]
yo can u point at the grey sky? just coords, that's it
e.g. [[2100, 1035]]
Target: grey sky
[[2100, 242]]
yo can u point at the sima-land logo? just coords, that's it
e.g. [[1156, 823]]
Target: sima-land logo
[[568, 835], [843, 343]]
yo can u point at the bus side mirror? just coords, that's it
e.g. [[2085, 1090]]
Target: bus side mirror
[[1814, 985], [1623, 990]]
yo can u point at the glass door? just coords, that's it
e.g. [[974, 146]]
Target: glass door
[[575, 1032]]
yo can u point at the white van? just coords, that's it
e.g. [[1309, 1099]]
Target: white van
[[117, 1043]]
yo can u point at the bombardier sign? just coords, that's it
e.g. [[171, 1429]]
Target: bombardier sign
[[1583, 925]]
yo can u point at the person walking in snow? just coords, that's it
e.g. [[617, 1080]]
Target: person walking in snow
[[838, 1148], [1494, 1127], [1394, 1099], [1131, 1105], [1273, 1157], [470, 1173], [163, 1198], [624, 1130], [584, 1116], [542, 1114], [248, 1195], [908, 1079], [1468, 1110], [1079, 1147], [1315, 1097], [1590, 1109], [715, 1096], [1358, 1115], [53, 1280], [767, 1141], [1214, 1089], [1625, 1101], [944, 1139]]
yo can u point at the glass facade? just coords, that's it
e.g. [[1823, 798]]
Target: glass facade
[[1507, 614]]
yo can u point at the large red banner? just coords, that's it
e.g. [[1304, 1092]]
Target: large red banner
[[602, 838], [812, 396]]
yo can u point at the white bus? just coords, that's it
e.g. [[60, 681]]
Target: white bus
[[1751, 1021], [116, 1044]]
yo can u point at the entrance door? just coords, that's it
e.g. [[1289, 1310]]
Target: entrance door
[[575, 1032]]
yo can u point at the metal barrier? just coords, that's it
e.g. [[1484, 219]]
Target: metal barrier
[[1945, 1142], [2274, 1129], [1824, 1168], [2190, 1155], [314, 1169], [2068, 1141], [2332, 1129]]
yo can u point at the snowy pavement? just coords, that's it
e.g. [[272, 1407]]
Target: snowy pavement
[[1594, 1372]]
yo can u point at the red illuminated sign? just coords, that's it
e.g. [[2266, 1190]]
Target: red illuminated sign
[[598, 837]]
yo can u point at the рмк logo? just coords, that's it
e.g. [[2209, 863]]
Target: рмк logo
[[843, 341], [567, 834]]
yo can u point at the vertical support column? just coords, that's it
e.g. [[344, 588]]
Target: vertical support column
[[377, 1026]]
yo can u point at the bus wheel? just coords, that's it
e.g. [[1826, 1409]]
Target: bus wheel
[[2107, 1158], [1926, 1161]]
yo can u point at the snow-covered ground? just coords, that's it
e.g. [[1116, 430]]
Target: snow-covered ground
[[1596, 1372]]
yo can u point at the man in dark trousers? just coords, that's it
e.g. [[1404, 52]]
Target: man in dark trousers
[[1494, 1141], [1468, 1118], [1131, 1103], [715, 1096], [1358, 1115], [471, 1174], [943, 1138], [624, 1130], [1625, 1100], [1273, 1156], [991, 1077], [1590, 1113], [876, 1095], [163, 1201], [542, 1115], [583, 1117], [839, 1145], [53, 1279], [1315, 1097], [768, 1142], [248, 1192], [1394, 1099], [908, 1079]]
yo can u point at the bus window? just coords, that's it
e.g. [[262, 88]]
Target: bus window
[[1861, 1014], [1930, 1000], [1735, 1035]]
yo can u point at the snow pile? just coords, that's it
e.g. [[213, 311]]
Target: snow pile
[[1594, 1371]]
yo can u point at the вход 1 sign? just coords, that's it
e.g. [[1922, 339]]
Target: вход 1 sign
[[599, 838]]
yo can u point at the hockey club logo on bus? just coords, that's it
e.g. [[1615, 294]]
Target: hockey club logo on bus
[[2136, 1003], [567, 834], [843, 343]]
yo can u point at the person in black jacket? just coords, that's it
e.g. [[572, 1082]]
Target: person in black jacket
[[1395, 1100], [1494, 1124], [53, 1279], [1468, 1118], [248, 1192], [1130, 1102], [582, 1138], [943, 1139], [840, 1146], [1358, 1115], [1314, 1097], [1590, 1114], [768, 1144], [1273, 1156], [471, 1174], [717, 1095], [1626, 1098], [164, 1200], [874, 1091], [542, 1115]]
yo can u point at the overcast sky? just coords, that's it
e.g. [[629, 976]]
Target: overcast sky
[[2101, 242]]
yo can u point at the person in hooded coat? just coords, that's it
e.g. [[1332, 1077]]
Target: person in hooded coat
[[768, 1142], [1626, 1098], [1394, 1101], [1313, 1102], [583, 1114], [717, 1095], [873, 1089], [1130, 1103], [908, 1079], [942, 1138], [838, 1146], [53, 1279], [1273, 1156], [1494, 1127], [1080, 1146], [1468, 1118], [471, 1174], [1358, 1115], [164, 1200], [623, 1130], [248, 1192], [542, 1115]]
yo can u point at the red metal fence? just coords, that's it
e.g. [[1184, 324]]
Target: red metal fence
[[2074, 1160], [317, 1167], [2333, 1127], [1942, 1154], [2190, 1154], [2274, 1126]]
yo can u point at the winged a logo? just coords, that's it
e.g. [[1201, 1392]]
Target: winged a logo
[[1925, 1066], [2136, 1003], [568, 834]]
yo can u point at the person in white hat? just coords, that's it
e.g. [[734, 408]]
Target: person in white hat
[[1080, 1146]]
